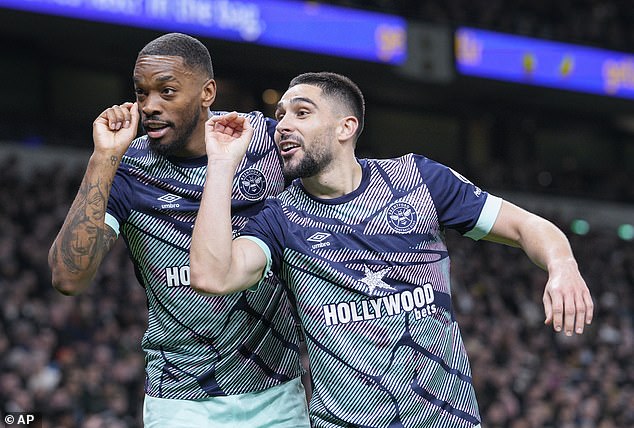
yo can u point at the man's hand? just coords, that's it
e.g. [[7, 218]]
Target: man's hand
[[227, 137], [115, 128], [567, 301]]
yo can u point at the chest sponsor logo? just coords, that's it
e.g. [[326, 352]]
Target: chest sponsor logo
[[170, 201], [419, 301], [252, 184], [402, 217], [177, 276]]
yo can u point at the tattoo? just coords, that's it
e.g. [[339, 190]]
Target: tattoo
[[114, 160], [85, 240]]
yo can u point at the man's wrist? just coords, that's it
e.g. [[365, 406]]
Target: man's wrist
[[218, 163]]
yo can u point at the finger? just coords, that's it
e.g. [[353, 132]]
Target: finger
[[587, 300], [135, 115], [247, 124], [580, 313], [212, 121], [570, 311], [111, 117], [548, 308], [116, 116], [126, 110], [557, 311]]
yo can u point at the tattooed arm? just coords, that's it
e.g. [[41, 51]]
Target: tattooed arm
[[84, 238]]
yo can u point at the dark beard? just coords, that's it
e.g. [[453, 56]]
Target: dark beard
[[310, 165], [180, 140]]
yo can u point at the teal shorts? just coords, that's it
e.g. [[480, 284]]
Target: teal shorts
[[283, 406]]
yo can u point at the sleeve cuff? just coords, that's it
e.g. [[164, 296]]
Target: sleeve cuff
[[112, 222], [487, 218], [269, 261]]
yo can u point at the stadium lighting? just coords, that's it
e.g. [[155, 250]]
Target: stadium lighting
[[625, 232], [580, 227]]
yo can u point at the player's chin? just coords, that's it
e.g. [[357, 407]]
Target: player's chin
[[163, 146], [290, 173]]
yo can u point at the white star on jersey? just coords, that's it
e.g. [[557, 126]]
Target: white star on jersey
[[374, 280]]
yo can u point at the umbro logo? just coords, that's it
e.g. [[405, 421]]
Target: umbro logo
[[319, 238], [169, 198]]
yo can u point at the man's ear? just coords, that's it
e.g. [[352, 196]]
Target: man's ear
[[347, 128], [208, 95]]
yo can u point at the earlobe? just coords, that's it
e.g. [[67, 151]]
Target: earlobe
[[209, 93]]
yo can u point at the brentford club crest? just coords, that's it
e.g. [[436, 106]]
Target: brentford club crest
[[252, 184], [402, 217]]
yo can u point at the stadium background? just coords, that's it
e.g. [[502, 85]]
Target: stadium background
[[567, 155]]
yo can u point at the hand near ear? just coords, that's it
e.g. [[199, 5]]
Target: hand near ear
[[227, 137]]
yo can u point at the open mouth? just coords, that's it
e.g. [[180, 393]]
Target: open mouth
[[155, 129], [287, 148]]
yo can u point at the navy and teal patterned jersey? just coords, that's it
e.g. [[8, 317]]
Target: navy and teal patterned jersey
[[370, 275], [199, 346]]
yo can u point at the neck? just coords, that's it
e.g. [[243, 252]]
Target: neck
[[195, 146], [341, 178]]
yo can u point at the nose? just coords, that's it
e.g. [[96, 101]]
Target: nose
[[283, 126], [151, 105]]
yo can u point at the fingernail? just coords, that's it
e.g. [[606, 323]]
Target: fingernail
[[579, 330], [569, 333]]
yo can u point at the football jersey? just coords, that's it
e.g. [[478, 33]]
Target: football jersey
[[201, 346], [370, 275]]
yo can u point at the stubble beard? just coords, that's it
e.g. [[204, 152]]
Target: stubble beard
[[313, 162], [181, 138]]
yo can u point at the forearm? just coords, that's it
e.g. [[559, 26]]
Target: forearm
[[211, 245], [84, 238], [567, 300], [543, 242], [546, 245]]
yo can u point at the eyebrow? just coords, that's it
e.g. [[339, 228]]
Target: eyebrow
[[164, 78], [297, 100]]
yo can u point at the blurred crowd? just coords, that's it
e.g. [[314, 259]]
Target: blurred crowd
[[532, 176], [77, 360], [602, 23]]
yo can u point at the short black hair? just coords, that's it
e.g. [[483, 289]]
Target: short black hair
[[336, 86], [193, 52]]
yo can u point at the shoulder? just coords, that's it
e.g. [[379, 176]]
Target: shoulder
[[404, 166]]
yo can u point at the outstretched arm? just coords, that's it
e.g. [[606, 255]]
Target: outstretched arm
[[84, 238], [219, 265], [567, 301]]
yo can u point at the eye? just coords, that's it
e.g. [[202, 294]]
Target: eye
[[168, 91], [301, 113], [278, 115], [139, 92]]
